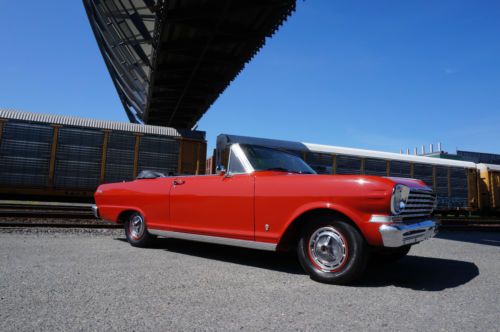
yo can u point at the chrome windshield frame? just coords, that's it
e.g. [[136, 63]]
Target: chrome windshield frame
[[237, 152]]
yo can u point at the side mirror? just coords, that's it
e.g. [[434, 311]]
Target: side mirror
[[221, 170]]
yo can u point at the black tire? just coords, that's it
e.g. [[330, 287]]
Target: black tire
[[390, 254], [345, 250], [136, 231]]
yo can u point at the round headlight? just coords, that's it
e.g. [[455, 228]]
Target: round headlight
[[399, 198]]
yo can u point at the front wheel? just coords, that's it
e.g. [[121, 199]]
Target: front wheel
[[136, 231], [332, 251]]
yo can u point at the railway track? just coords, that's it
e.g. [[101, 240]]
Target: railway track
[[35, 214], [57, 225], [45, 209], [31, 214], [470, 223]]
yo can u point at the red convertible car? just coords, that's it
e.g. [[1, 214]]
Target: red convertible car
[[271, 200]]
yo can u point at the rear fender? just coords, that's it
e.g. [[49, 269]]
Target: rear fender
[[112, 212]]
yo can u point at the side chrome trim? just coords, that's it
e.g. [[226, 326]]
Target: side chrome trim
[[380, 218], [215, 239], [95, 211]]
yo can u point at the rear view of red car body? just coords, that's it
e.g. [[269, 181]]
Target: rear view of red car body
[[270, 200]]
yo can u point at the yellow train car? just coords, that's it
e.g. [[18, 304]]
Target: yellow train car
[[489, 187]]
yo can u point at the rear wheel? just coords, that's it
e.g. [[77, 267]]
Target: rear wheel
[[136, 231], [332, 251]]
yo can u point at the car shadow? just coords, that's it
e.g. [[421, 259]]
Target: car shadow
[[420, 273], [281, 262], [413, 272], [478, 237]]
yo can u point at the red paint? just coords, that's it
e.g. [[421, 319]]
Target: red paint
[[240, 206], [214, 205]]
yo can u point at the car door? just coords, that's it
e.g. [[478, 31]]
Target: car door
[[213, 205]]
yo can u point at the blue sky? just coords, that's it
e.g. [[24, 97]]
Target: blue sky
[[369, 74]]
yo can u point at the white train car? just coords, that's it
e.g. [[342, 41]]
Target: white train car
[[454, 181]]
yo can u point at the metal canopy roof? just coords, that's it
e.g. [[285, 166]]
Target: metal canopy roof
[[170, 60]]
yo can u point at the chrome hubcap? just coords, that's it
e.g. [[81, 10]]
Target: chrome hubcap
[[136, 227], [327, 249]]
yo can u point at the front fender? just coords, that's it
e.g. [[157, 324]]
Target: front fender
[[349, 213], [368, 230]]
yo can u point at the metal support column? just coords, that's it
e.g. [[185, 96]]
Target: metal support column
[[136, 154], [198, 150], [179, 163], [104, 155], [53, 153], [493, 188]]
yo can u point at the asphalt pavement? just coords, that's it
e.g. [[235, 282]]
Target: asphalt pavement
[[60, 280]]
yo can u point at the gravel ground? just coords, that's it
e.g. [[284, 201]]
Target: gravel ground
[[93, 280], [38, 220]]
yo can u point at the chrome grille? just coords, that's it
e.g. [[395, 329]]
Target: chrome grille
[[420, 204]]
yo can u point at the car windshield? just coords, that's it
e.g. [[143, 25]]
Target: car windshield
[[266, 159]]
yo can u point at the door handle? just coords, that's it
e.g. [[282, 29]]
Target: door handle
[[179, 182]]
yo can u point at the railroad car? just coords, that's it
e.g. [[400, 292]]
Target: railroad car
[[489, 188], [454, 181], [49, 156]]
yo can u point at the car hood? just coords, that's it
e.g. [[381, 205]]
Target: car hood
[[390, 181]]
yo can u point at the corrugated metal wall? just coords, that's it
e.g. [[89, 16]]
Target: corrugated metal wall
[[78, 158], [441, 188], [458, 187], [160, 154], [60, 159], [458, 183], [401, 169], [348, 165], [25, 154], [120, 157], [424, 172], [375, 167], [322, 163]]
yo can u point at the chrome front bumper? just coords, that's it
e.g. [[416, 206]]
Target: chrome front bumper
[[400, 234], [95, 211]]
